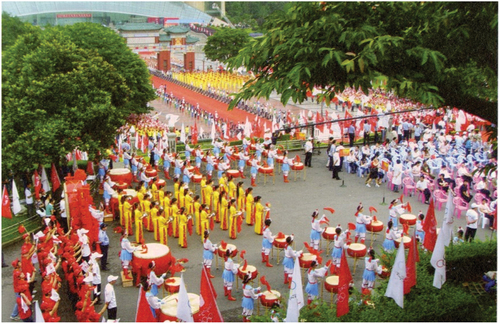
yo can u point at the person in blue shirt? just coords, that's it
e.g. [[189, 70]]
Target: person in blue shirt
[[104, 245], [351, 135]]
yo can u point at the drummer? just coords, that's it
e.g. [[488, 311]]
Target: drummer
[[391, 234], [210, 165], [361, 221], [254, 169], [187, 175], [154, 302], [108, 192], [419, 230], [271, 156], [223, 166], [339, 241], [126, 254], [242, 158], [198, 155], [316, 229], [396, 209], [249, 295], [153, 280], [286, 166], [289, 261], [267, 242], [230, 269], [312, 280], [167, 160], [208, 253], [371, 265]]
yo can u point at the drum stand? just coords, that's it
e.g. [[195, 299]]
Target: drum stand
[[354, 266], [327, 245], [331, 293], [371, 239], [303, 171]]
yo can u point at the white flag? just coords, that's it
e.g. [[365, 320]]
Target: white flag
[[395, 288], [438, 256], [248, 129], [45, 181], [212, 133], [136, 141], [38, 313], [16, 205], [296, 299], [183, 134], [184, 312], [448, 220]]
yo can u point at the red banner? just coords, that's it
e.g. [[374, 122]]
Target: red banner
[[86, 15]]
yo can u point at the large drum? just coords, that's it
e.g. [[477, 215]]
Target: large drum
[[190, 168], [375, 226], [270, 298], [173, 284], [121, 176], [160, 183], [329, 233], [114, 199], [406, 242], [266, 170], [279, 159], [356, 250], [250, 269], [197, 178], [121, 185], [332, 284], [306, 259], [280, 243], [169, 308], [408, 219], [385, 273], [160, 253], [233, 173], [222, 252], [297, 166], [151, 173]]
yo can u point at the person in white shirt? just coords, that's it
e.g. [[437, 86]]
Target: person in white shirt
[[397, 175], [96, 275], [423, 186], [110, 297], [84, 241], [308, 148], [30, 205], [472, 218]]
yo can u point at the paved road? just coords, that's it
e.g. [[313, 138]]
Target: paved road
[[292, 206]]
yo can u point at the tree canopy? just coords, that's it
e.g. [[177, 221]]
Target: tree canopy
[[225, 43], [441, 54], [59, 94]]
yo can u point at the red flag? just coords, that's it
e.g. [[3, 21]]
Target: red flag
[[345, 279], [209, 311], [411, 267], [6, 212], [319, 119], [38, 184], [347, 115], [144, 312], [429, 226], [56, 183], [145, 143], [194, 134], [90, 168]]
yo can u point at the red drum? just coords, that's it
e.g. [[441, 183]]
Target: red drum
[[356, 250], [173, 284], [280, 243], [169, 308], [329, 233], [250, 269], [222, 252], [159, 253], [385, 273], [249, 163], [279, 159], [190, 168], [297, 166], [306, 259], [121, 176], [406, 242], [233, 173], [252, 147], [332, 284], [264, 153], [270, 298], [266, 170], [151, 173], [375, 226], [197, 178], [122, 185], [160, 183], [129, 192], [408, 219]]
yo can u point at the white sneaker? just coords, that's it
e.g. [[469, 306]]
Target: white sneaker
[[376, 185], [368, 185]]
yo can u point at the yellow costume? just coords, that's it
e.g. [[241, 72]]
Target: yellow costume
[[146, 205], [204, 222], [209, 191], [127, 216], [139, 235], [241, 198], [233, 222], [154, 221], [232, 189], [259, 211], [215, 205], [203, 186], [175, 221], [183, 220], [249, 211], [196, 207], [163, 230], [224, 219]]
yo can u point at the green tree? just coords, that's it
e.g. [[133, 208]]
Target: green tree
[[225, 43], [434, 52], [12, 27], [56, 97]]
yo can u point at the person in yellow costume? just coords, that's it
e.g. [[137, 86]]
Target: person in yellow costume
[[196, 212], [231, 188], [154, 190], [223, 214], [160, 195], [177, 186], [188, 202], [259, 213], [163, 226], [121, 193], [250, 206], [127, 214], [205, 218], [182, 195], [154, 219], [167, 204], [203, 188], [175, 218], [234, 218], [146, 208], [223, 182], [184, 198], [138, 216], [240, 196], [209, 191], [215, 203], [141, 192], [183, 224]]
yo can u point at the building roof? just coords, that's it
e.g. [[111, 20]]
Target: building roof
[[184, 12], [139, 26], [165, 38], [191, 39], [177, 29]]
